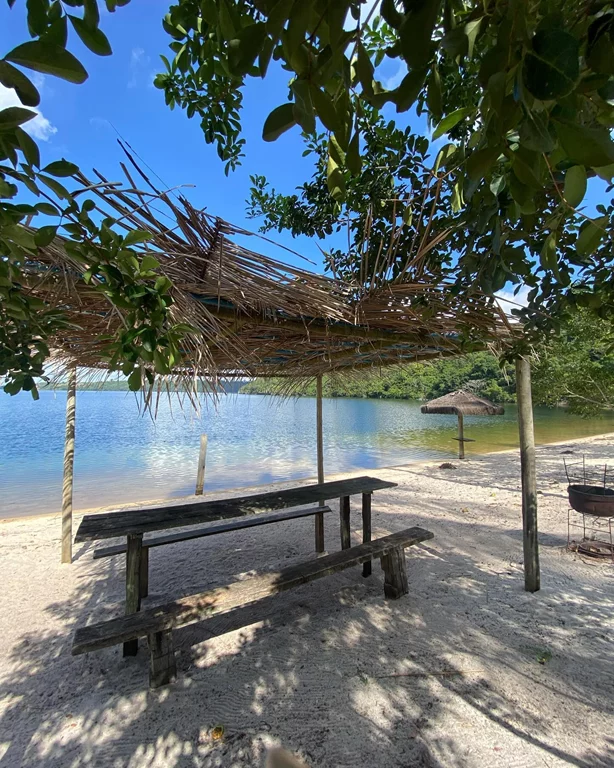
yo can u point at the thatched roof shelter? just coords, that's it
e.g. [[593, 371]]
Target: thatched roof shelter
[[463, 402], [253, 315]]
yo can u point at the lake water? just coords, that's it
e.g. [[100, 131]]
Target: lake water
[[123, 456]]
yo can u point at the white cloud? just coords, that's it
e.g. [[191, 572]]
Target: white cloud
[[139, 62], [39, 127], [509, 301]]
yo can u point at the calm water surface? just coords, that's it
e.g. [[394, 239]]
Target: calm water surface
[[122, 456]]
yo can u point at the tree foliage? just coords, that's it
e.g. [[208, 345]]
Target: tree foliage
[[115, 263], [479, 372], [522, 91], [577, 366]]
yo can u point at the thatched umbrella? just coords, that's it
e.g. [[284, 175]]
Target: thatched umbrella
[[462, 404]]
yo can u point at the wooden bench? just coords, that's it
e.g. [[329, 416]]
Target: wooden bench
[[197, 533], [157, 624], [134, 523]]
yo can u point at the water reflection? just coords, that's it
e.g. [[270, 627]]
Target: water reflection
[[123, 456]]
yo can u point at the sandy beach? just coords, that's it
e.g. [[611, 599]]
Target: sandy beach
[[467, 670]]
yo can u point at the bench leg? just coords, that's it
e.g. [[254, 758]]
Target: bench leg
[[344, 514], [162, 666], [133, 590], [395, 574], [366, 530], [320, 530], [144, 575]]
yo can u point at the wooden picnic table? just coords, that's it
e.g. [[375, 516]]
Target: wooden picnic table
[[133, 523]]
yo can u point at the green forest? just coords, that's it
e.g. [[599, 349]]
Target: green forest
[[575, 368]]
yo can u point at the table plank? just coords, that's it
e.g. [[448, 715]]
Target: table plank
[[108, 525]]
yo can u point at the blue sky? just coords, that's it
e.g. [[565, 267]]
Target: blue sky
[[77, 121]]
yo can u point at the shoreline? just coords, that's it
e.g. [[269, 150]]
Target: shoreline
[[245, 490]]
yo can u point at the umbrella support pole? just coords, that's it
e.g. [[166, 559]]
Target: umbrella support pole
[[461, 437]]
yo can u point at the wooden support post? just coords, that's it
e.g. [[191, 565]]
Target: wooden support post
[[69, 460], [344, 514], [395, 574], [461, 436], [202, 457], [319, 518], [144, 575], [528, 474], [133, 578], [366, 529], [162, 665]]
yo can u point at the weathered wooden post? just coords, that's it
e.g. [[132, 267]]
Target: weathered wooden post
[[528, 475], [202, 457], [319, 518], [461, 436], [69, 459]]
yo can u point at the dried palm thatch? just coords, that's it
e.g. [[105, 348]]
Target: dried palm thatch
[[253, 315], [463, 402]]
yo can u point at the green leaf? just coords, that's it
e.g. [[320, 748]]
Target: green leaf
[[149, 263], [11, 77], [279, 121], [534, 133], [49, 59], [526, 172], [409, 89], [137, 236], [11, 117], [353, 160], [547, 257], [28, 147], [451, 120], [585, 146], [45, 235], [55, 187], [600, 56], [364, 69], [134, 380], [575, 185], [434, 99], [552, 69], [92, 37], [480, 162], [278, 16], [457, 198], [416, 31], [91, 14], [391, 15], [47, 209], [244, 49], [591, 234], [335, 180], [325, 109], [472, 29], [606, 172], [303, 106], [61, 168]]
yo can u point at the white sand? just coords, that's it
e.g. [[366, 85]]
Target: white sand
[[446, 677]]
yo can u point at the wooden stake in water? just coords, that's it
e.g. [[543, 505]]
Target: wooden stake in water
[[202, 456], [528, 475], [69, 459]]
